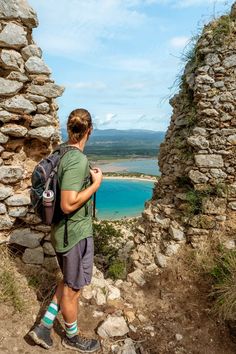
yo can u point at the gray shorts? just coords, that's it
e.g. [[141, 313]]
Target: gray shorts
[[77, 264]]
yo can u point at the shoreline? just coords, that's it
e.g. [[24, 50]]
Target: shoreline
[[151, 179]]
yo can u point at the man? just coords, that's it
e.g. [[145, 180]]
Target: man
[[77, 183]]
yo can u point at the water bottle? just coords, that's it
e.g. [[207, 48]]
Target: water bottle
[[48, 198]]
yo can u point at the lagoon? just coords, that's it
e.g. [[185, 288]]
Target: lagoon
[[140, 165], [119, 198]]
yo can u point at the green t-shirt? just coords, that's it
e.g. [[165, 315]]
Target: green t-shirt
[[73, 175]]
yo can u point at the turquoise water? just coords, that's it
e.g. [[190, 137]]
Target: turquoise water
[[146, 166], [119, 198]]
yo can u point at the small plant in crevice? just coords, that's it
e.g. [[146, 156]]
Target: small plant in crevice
[[106, 248], [222, 29]]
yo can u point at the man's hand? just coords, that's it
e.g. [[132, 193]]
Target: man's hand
[[96, 174]]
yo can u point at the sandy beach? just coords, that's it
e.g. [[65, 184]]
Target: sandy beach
[[130, 177]]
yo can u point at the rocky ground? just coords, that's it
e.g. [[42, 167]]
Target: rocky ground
[[156, 311]]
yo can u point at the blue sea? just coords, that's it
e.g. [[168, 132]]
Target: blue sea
[[122, 198]]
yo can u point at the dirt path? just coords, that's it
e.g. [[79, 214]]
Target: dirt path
[[172, 316]]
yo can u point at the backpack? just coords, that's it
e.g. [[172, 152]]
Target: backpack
[[45, 192]]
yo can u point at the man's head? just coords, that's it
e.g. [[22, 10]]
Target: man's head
[[79, 124]]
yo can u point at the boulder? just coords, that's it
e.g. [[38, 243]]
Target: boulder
[[20, 9], [18, 200], [9, 87], [33, 256], [40, 120], [26, 237], [31, 50], [209, 160], [14, 130], [3, 138], [18, 104], [5, 191], [42, 133], [11, 174], [12, 60], [113, 326], [18, 76], [36, 65], [6, 222], [3, 208], [48, 249], [17, 211], [48, 90], [6, 116], [13, 36]]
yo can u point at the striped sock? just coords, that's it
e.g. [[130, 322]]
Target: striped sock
[[71, 329], [50, 315]]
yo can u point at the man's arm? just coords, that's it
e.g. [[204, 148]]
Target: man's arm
[[72, 200]]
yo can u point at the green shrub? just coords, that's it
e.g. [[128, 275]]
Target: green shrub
[[117, 269]]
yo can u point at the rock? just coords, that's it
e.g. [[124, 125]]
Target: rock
[[17, 211], [12, 9], [100, 297], [113, 326], [35, 65], [31, 50], [26, 237], [36, 98], [3, 138], [87, 292], [13, 36], [209, 160], [161, 260], [6, 116], [40, 120], [210, 112], [172, 249], [48, 249], [97, 314], [217, 173], [11, 174], [197, 177], [12, 60], [232, 205], [199, 131], [178, 337], [212, 59], [48, 90], [18, 200], [113, 293], [3, 208], [6, 222], [176, 234], [18, 76], [32, 219], [18, 104], [137, 276], [232, 139], [204, 79], [198, 141], [9, 87], [33, 256], [229, 244], [128, 347], [42, 133], [213, 205], [43, 108], [129, 315], [5, 191], [50, 263], [14, 130], [230, 61]]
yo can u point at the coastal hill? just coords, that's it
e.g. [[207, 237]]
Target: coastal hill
[[122, 143]]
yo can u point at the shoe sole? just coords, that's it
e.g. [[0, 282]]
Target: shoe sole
[[38, 340], [79, 350]]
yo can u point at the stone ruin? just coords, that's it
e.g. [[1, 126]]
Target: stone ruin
[[194, 200], [29, 129]]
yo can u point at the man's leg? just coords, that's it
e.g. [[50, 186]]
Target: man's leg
[[69, 310]]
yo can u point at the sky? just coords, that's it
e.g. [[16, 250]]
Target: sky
[[120, 59]]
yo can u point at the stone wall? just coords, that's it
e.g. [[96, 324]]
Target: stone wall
[[194, 200], [29, 128]]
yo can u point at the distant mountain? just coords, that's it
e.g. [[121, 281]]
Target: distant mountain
[[122, 143]]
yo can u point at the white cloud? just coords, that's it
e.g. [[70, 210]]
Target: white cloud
[[105, 120], [79, 26], [179, 42]]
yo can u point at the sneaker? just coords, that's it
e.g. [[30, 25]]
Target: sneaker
[[81, 344], [41, 336]]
